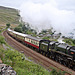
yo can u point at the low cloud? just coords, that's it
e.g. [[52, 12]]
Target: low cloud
[[45, 15]]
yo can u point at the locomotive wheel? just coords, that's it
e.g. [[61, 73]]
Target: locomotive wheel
[[60, 61], [50, 56], [53, 57], [42, 52], [70, 64], [74, 68], [57, 58], [64, 63], [46, 54]]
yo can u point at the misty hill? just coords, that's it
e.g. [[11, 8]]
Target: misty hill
[[9, 15]]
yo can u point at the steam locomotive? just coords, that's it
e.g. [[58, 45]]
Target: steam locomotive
[[62, 53]]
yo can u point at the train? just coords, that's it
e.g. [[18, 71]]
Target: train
[[60, 52]]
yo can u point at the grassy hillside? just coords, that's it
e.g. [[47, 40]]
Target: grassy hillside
[[8, 15]]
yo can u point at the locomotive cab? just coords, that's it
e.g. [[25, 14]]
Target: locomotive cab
[[52, 45], [44, 45]]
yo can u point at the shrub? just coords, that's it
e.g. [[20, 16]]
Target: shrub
[[8, 25], [18, 29], [22, 66], [54, 72], [2, 41]]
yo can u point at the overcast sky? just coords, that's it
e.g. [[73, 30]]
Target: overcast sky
[[60, 14], [62, 4]]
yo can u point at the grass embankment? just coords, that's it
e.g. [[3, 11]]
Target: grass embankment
[[17, 60], [9, 15], [21, 66]]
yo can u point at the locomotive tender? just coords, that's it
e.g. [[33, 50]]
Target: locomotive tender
[[62, 53]]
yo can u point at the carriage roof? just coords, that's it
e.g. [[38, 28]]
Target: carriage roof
[[24, 35]]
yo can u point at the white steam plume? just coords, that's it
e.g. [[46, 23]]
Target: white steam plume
[[45, 15]]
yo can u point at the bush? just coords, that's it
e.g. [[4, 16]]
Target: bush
[[2, 41], [18, 29], [54, 72], [47, 38], [22, 66], [8, 25]]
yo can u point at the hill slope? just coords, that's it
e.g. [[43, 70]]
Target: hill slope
[[9, 15]]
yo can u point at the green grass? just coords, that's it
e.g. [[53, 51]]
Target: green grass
[[70, 41], [9, 15], [19, 64], [24, 67], [17, 60]]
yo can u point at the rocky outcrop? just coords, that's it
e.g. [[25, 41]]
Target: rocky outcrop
[[6, 70]]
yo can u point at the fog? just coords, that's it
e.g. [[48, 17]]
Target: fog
[[44, 15]]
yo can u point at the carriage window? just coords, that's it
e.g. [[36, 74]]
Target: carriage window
[[31, 41], [35, 43]]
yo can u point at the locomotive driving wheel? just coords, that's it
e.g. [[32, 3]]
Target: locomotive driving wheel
[[57, 58], [70, 64], [74, 68], [60, 61]]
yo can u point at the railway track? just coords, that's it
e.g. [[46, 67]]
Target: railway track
[[46, 62]]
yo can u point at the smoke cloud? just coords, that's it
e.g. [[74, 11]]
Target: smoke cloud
[[43, 15]]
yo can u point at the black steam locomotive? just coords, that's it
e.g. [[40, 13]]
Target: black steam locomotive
[[62, 53]]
